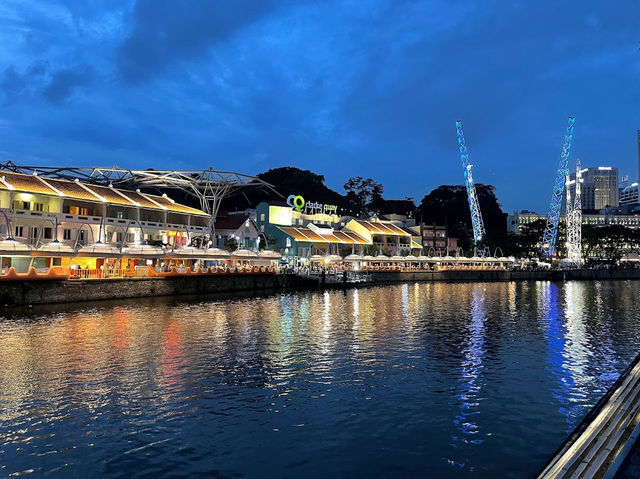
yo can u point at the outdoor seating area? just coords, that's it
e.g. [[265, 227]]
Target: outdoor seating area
[[102, 261]]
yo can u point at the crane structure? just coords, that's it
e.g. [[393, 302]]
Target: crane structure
[[553, 217], [474, 207], [574, 219]]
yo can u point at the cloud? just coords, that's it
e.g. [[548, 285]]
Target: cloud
[[165, 32], [65, 81]]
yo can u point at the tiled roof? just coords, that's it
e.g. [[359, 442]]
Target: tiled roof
[[383, 227], [89, 192], [306, 235]]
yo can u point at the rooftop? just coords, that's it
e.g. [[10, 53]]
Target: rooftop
[[23, 183]]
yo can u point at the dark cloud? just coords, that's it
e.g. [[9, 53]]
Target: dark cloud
[[64, 82], [165, 31], [343, 87], [15, 85], [11, 84]]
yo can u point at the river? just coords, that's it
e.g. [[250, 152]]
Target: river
[[435, 380]]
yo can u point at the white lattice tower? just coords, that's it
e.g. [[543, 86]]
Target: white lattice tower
[[574, 220]]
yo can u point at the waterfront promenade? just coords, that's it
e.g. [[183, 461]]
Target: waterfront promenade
[[24, 293]]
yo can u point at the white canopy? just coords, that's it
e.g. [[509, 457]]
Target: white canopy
[[11, 247], [243, 254], [56, 248], [269, 254], [143, 250], [101, 250]]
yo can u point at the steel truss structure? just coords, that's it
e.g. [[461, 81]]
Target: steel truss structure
[[208, 186], [474, 207], [553, 218], [574, 219]]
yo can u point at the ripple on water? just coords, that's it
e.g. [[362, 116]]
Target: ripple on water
[[477, 380]]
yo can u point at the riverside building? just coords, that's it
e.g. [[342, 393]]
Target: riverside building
[[62, 228], [304, 232], [41, 210]]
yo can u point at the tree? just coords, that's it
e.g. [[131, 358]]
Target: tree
[[449, 205], [230, 244], [364, 195], [609, 242]]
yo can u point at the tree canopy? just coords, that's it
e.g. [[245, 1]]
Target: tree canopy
[[448, 204]]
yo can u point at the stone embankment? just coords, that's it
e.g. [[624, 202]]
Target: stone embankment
[[23, 293]]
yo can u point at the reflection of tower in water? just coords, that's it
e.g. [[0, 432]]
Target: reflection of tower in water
[[568, 351], [472, 367]]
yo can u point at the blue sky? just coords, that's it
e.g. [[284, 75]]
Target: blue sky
[[344, 88]]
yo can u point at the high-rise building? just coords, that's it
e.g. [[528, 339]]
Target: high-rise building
[[629, 195], [599, 187]]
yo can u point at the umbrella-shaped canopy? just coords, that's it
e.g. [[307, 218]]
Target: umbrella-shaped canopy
[[243, 254], [100, 250], [422, 258], [317, 258], [143, 250], [335, 257], [368, 258], [188, 251], [381, 256], [398, 258], [11, 247], [215, 253], [268, 254], [448, 258], [56, 248], [354, 257]]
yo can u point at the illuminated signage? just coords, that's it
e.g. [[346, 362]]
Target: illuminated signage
[[297, 202]]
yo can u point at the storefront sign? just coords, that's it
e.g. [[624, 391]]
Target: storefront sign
[[297, 202]]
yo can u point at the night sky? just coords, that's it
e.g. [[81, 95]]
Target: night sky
[[344, 88]]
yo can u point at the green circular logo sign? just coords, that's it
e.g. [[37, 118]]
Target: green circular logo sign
[[296, 201]]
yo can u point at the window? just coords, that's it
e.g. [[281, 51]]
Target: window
[[261, 216], [34, 233], [19, 231], [38, 207], [21, 205], [48, 233], [66, 234], [81, 236], [119, 237], [77, 210], [120, 215]]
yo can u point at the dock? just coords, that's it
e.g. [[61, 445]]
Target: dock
[[598, 445]]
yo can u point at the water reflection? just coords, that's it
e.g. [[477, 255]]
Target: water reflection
[[472, 366], [373, 382]]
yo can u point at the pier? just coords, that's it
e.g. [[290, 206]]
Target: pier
[[598, 446]]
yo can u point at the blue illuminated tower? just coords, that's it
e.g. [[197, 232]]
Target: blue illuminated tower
[[476, 216], [551, 229]]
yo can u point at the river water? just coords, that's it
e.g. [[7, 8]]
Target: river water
[[479, 380]]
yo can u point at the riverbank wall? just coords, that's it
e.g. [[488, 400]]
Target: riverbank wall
[[24, 293], [497, 275]]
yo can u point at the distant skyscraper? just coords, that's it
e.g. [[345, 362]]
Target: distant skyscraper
[[599, 187]]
